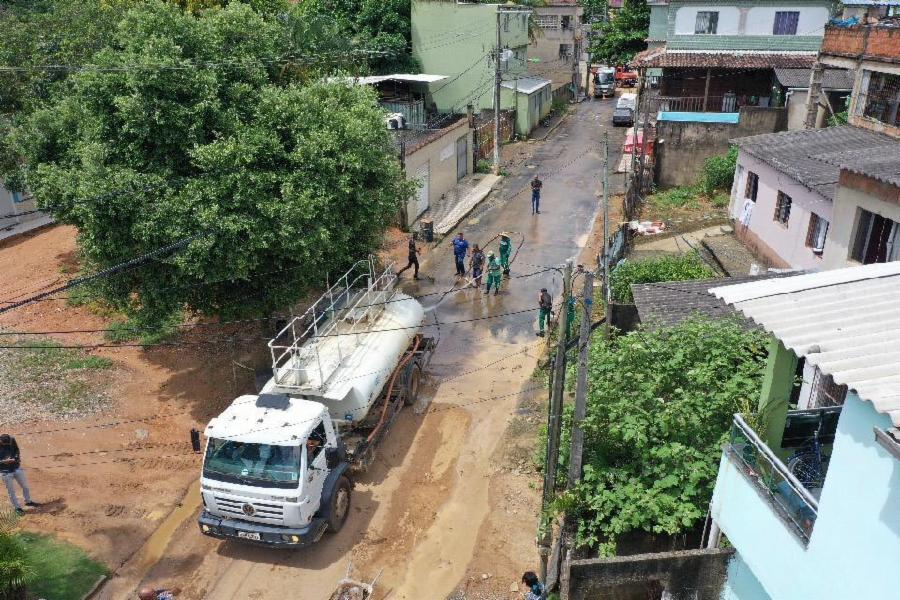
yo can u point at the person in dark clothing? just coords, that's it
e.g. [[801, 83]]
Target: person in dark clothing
[[148, 593], [545, 305], [460, 250], [477, 265], [536, 185], [413, 259], [11, 470], [535, 590]]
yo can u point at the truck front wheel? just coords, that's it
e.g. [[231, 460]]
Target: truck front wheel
[[340, 505], [412, 386]]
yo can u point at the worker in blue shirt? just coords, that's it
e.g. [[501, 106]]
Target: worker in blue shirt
[[460, 250]]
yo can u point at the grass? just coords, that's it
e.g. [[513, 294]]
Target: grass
[[679, 197], [63, 571], [131, 331], [51, 356]]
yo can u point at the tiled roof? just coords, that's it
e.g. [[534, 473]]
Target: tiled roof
[[885, 166], [723, 60], [832, 79], [844, 321], [806, 155], [669, 303]]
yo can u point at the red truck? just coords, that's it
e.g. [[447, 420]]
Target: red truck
[[625, 77]]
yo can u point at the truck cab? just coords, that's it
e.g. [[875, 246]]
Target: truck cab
[[274, 472], [604, 82]]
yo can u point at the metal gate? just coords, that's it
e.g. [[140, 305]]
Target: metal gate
[[462, 157]]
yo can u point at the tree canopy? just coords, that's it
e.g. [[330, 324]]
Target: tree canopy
[[659, 406], [189, 123], [616, 41]]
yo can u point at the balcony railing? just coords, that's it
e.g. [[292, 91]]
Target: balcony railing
[[692, 104], [793, 502]]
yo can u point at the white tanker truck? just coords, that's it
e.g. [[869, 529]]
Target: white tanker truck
[[277, 467]]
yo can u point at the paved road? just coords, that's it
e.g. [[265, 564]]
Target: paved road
[[435, 507]]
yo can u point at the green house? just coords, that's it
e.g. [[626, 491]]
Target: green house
[[458, 40]]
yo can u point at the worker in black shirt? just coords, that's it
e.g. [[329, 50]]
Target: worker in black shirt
[[413, 259], [11, 469]]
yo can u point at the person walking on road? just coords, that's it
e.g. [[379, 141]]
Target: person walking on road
[[148, 593], [413, 259], [536, 185], [545, 305], [11, 470], [477, 265], [495, 274], [460, 250], [505, 252]]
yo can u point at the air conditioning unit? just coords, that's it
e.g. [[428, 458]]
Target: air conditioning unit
[[395, 121]]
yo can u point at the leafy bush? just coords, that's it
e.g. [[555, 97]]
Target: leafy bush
[[718, 172], [653, 270], [16, 567], [483, 166], [152, 332], [677, 197], [659, 406]]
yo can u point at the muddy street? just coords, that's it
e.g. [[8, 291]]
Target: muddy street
[[447, 506]]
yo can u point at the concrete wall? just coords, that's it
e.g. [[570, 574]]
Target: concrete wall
[[545, 46], [530, 108], [453, 39], [796, 107], [439, 156], [684, 575], [856, 192], [856, 539], [741, 583], [15, 204], [782, 246], [683, 147]]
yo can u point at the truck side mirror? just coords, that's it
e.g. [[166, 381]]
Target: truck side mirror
[[332, 458]]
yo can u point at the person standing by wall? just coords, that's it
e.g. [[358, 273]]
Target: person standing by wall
[[460, 250], [11, 471], [536, 185], [545, 305]]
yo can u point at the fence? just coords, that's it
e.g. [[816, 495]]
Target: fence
[[694, 104], [484, 134]]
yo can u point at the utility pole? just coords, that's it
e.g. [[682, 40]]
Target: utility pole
[[576, 447], [607, 295], [554, 426], [497, 80]]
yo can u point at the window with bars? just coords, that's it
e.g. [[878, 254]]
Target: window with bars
[[877, 239], [707, 21], [815, 235], [880, 97], [783, 208], [565, 50], [752, 186], [566, 22], [547, 21], [786, 22]]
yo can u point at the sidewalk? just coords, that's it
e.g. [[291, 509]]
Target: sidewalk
[[459, 202]]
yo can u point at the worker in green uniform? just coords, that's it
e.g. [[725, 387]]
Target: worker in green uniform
[[505, 251], [495, 273]]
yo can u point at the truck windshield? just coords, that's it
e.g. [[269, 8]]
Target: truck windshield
[[252, 464], [606, 77]]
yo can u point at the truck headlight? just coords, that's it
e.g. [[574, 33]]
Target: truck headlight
[[205, 528], [294, 539]]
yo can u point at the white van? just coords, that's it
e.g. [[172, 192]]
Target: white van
[[627, 101]]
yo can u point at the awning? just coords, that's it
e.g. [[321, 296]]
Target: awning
[[526, 85]]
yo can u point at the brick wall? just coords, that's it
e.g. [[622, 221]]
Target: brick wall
[[863, 41]]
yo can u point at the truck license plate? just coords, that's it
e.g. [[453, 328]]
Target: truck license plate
[[248, 535]]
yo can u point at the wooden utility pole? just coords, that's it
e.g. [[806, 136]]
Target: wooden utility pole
[[554, 425], [576, 447], [606, 289], [812, 100], [497, 80]]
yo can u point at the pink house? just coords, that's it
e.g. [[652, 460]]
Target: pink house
[[784, 189]]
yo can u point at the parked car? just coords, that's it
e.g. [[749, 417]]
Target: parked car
[[627, 101], [604, 83], [623, 115]]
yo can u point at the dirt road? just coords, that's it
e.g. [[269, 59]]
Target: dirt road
[[450, 506]]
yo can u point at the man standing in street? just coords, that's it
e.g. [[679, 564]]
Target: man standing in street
[[477, 265], [413, 259], [545, 305], [460, 250], [536, 185], [505, 251], [495, 274], [11, 470]]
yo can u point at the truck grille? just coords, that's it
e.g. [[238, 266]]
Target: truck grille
[[261, 511]]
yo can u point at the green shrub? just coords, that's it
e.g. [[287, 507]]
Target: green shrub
[[483, 166], [154, 332], [654, 270], [720, 200], [718, 172], [16, 566], [678, 197]]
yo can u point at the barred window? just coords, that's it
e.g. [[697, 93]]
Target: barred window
[[786, 22], [547, 21], [783, 208], [815, 235], [880, 99], [752, 186], [707, 21]]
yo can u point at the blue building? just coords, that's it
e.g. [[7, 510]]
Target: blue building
[[808, 490]]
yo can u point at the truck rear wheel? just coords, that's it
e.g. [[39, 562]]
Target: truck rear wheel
[[340, 505], [412, 385]]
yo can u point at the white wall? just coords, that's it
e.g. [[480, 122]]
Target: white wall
[[686, 19], [787, 242]]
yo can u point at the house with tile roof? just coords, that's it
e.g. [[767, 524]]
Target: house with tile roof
[[721, 55], [808, 488]]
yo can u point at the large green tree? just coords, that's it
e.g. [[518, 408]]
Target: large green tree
[[660, 404], [189, 123], [616, 41]]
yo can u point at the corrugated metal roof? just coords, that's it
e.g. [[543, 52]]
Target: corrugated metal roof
[[832, 79], [845, 321], [527, 85], [884, 167], [723, 59]]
